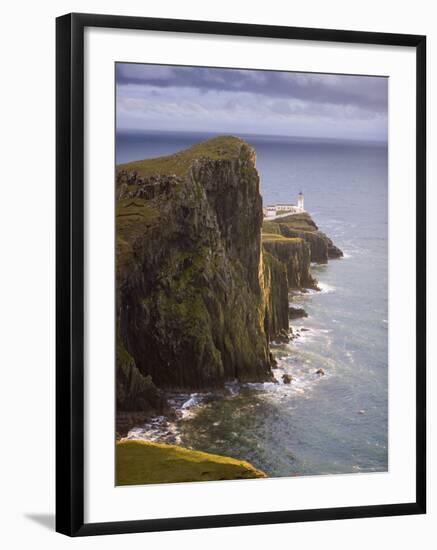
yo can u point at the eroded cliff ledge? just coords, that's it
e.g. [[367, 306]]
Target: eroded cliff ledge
[[200, 294], [302, 226]]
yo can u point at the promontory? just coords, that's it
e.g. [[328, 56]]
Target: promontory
[[202, 281]]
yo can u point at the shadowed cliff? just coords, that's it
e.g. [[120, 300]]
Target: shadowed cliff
[[190, 297]]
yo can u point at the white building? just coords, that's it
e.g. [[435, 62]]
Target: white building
[[276, 210]]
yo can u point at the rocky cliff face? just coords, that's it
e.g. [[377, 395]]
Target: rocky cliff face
[[295, 254], [190, 293], [275, 296], [134, 391], [286, 268]]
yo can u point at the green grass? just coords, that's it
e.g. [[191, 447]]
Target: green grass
[[299, 222], [274, 237], [221, 147], [144, 462], [133, 218], [271, 227]]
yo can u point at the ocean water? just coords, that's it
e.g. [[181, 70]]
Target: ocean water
[[336, 423]]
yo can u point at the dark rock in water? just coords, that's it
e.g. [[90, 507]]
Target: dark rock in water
[[320, 372], [333, 251], [126, 420], [296, 312], [287, 378], [283, 336], [303, 329]]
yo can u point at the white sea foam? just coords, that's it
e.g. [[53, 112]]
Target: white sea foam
[[162, 429], [309, 334], [194, 399], [325, 288], [302, 367], [156, 429]]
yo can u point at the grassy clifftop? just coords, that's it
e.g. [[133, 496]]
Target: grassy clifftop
[[274, 237], [219, 148], [301, 222], [143, 462]]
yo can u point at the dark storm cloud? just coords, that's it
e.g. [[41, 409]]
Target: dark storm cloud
[[251, 101], [359, 92]]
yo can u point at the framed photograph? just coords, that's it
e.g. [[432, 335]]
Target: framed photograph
[[240, 274]]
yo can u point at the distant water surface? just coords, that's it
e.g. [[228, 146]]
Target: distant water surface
[[336, 423]]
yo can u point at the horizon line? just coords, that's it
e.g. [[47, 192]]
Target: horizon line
[[226, 133]]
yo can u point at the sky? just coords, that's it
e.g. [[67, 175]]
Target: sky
[[164, 97]]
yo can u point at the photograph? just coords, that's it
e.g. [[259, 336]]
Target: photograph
[[251, 274], [223, 225]]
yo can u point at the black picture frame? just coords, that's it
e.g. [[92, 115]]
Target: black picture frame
[[70, 273]]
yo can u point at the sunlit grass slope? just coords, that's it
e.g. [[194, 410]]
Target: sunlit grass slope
[[144, 462]]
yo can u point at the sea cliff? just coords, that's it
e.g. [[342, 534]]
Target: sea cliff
[[202, 283]]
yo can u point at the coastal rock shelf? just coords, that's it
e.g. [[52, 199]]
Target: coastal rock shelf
[[202, 283]]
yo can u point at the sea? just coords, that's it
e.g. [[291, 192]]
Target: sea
[[336, 423]]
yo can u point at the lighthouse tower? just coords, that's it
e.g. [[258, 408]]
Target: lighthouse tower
[[300, 201]]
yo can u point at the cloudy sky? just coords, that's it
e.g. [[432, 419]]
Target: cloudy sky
[[158, 97]]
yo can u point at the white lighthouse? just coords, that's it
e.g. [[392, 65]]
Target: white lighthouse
[[300, 202], [281, 210]]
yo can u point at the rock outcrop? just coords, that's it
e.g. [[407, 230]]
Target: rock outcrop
[[190, 282], [296, 312], [134, 391]]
